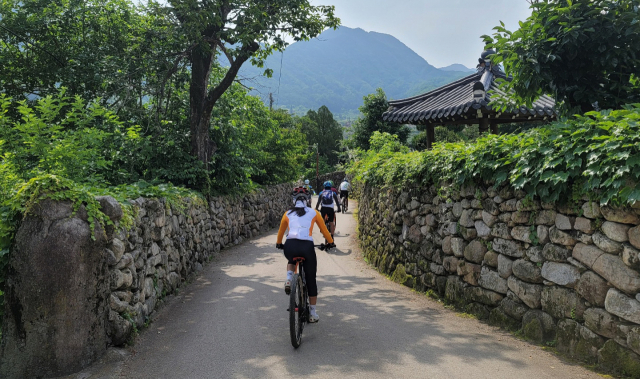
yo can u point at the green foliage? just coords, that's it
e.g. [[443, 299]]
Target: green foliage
[[371, 121], [581, 52], [597, 154]]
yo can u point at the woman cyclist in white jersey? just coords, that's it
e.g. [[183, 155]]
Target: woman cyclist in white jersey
[[300, 219]]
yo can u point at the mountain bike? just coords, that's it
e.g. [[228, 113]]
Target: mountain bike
[[299, 301], [344, 204]]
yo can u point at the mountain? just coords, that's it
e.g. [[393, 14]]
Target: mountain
[[457, 67], [340, 67]]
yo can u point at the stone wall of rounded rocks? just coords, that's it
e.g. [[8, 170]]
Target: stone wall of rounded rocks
[[563, 274], [169, 243]]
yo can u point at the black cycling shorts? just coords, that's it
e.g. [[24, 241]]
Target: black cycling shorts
[[329, 212], [344, 194], [302, 248]]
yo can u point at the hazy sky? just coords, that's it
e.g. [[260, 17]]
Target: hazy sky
[[441, 31]]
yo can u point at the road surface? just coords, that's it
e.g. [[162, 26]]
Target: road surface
[[232, 323]]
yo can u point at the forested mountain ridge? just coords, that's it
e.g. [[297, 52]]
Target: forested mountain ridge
[[340, 67]]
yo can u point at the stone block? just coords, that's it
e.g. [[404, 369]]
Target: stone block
[[481, 311], [606, 244], [616, 231], [555, 253], [499, 318], [470, 272], [618, 360], [490, 206], [543, 234], [563, 222], [475, 251], [489, 219], [634, 236], [450, 264], [546, 217], [501, 230], [446, 245], [560, 273], [482, 296], [457, 246], [578, 342], [508, 247], [513, 308], [603, 323], [530, 294], [633, 339], [591, 210], [621, 215], [584, 225], [491, 259], [520, 217], [534, 254], [491, 280], [593, 288], [466, 219], [538, 326], [562, 302], [560, 237], [527, 271], [454, 289], [622, 306], [505, 266], [631, 257], [587, 254], [613, 269], [521, 233], [508, 206], [482, 229]]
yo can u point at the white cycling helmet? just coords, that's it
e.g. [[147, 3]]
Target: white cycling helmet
[[306, 181]]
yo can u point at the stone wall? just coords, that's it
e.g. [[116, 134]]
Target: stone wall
[[69, 297], [563, 274]]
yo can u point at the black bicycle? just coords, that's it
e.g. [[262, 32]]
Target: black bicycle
[[344, 204], [299, 301]]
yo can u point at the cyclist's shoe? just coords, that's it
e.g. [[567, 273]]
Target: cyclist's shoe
[[287, 287], [313, 318]]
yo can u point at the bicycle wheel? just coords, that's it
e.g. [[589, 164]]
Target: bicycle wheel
[[296, 311]]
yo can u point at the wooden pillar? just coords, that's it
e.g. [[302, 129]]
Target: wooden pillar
[[484, 125], [431, 135], [494, 127]]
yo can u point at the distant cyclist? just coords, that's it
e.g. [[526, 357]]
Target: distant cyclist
[[300, 219], [327, 199], [344, 193]]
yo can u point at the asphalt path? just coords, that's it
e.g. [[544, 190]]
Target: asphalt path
[[232, 322]]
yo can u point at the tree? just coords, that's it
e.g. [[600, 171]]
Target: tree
[[584, 53], [371, 121], [324, 131], [241, 31]]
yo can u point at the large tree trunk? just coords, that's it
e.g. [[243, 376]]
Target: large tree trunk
[[201, 145], [202, 99]]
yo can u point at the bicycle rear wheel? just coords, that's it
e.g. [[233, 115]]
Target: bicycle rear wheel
[[296, 311]]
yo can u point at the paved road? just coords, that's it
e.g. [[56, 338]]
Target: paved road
[[232, 323]]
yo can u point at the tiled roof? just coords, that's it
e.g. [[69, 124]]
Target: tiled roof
[[456, 101]]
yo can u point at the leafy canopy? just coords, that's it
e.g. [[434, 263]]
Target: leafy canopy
[[581, 52], [597, 155], [371, 121]]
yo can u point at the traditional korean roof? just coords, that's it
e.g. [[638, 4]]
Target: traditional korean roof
[[468, 98]]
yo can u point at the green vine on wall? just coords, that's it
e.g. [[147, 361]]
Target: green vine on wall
[[595, 155]]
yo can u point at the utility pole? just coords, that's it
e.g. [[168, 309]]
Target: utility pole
[[270, 101]]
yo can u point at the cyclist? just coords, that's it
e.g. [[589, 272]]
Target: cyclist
[[344, 193], [328, 198], [308, 187], [300, 219]]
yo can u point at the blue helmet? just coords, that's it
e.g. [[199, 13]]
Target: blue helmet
[[327, 184]]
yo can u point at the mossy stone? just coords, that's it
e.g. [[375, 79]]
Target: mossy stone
[[615, 358], [497, 317], [533, 331], [479, 310], [401, 276]]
